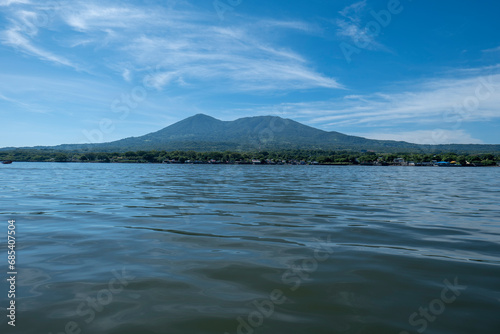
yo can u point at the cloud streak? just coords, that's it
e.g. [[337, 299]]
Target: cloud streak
[[428, 137], [185, 47], [6, 3], [15, 38], [24, 31], [437, 103], [436, 100]]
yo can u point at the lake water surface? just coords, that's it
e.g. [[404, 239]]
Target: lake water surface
[[143, 248]]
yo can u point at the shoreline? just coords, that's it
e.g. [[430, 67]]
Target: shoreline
[[284, 157], [258, 164]]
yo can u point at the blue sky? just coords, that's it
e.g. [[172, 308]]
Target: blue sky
[[96, 71]]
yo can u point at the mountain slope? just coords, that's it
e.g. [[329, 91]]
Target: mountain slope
[[202, 132]]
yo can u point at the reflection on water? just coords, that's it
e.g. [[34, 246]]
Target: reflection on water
[[118, 248]]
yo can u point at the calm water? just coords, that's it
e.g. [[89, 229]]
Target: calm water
[[124, 248]]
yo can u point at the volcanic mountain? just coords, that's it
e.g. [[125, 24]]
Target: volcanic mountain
[[205, 133]]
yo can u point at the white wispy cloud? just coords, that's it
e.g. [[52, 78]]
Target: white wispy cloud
[[8, 99], [497, 49], [126, 75], [49, 90], [226, 54], [431, 137], [90, 16], [23, 31], [352, 11], [32, 108], [15, 38], [350, 26], [185, 46], [447, 102], [13, 2], [294, 25]]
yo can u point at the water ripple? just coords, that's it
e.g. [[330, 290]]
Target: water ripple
[[350, 249]]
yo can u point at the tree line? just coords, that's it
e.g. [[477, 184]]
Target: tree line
[[319, 156]]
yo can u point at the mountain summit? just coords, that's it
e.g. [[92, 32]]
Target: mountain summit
[[203, 132]]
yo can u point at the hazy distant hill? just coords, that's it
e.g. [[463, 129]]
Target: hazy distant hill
[[205, 133]]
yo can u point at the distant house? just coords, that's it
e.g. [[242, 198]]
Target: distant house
[[399, 161], [256, 161]]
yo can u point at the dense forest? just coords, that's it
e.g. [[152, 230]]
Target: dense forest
[[264, 157]]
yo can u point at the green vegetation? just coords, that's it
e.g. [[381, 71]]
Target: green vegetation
[[278, 156]]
